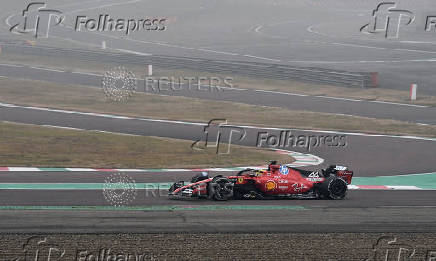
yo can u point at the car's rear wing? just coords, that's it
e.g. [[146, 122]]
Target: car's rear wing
[[346, 175]]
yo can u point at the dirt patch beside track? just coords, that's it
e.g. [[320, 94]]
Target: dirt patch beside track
[[37, 146], [334, 246]]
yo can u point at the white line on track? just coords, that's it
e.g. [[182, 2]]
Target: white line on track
[[345, 62], [408, 206], [46, 69], [78, 129], [133, 52], [86, 73], [230, 88], [277, 92], [80, 169], [338, 98], [11, 65], [23, 169], [404, 187], [413, 50], [417, 42], [418, 174], [262, 58], [360, 46], [59, 127], [400, 104], [219, 52]]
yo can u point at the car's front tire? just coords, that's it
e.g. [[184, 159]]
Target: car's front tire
[[220, 189]]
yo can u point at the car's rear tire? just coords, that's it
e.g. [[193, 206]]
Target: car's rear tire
[[333, 188], [220, 189], [338, 188]]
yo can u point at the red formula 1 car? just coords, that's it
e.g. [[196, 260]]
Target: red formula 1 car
[[278, 181]]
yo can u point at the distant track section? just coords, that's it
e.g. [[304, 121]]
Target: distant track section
[[252, 69]]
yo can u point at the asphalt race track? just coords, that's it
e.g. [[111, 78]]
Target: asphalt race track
[[365, 108], [272, 32], [363, 211], [371, 156]]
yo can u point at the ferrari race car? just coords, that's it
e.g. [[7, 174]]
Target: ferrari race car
[[278, 181]]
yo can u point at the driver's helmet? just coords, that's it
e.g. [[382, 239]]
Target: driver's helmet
[[274, 168], [271, 163], [259, 173]]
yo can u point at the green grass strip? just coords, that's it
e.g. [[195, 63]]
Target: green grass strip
[[425, 181]]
